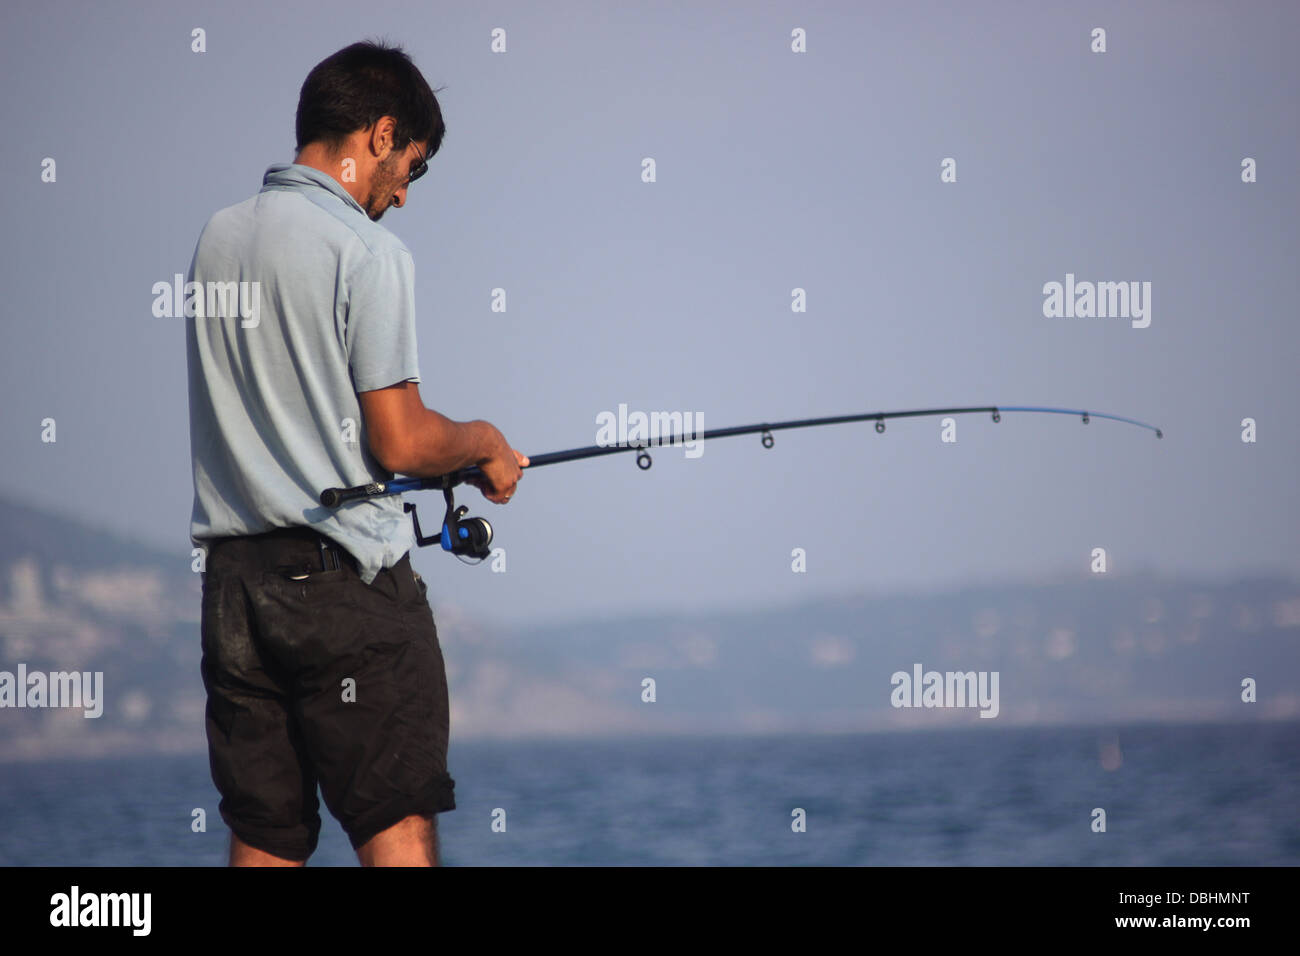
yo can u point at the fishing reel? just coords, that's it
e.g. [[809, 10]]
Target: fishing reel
[[460, 535]]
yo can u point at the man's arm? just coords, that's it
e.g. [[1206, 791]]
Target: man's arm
[[409, 439]]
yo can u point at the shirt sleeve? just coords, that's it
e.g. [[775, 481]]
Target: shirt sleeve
[[380, 332]]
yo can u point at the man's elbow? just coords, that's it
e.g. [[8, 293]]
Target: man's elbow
[[392, 456]]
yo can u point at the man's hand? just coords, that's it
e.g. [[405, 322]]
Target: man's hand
[[502, 470]]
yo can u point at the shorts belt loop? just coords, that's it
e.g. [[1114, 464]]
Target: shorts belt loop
[[326, 548]]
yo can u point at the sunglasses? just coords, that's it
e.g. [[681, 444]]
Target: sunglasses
[[418, 168]]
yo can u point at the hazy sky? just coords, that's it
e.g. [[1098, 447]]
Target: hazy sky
[[775, 170]]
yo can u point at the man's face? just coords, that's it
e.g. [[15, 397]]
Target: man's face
[[388, 186]]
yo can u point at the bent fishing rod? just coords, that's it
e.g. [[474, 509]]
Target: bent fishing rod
[[473, 536]]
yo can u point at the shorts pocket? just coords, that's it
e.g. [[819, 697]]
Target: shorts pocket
[[394, 589], [302, 583]]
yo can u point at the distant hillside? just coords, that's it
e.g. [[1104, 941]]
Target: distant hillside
[[1092, 649], [1087, 650], [52, 538]]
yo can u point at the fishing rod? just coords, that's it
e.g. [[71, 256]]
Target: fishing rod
[[473, 536]]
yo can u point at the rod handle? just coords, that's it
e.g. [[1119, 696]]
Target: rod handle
[[333, 497]]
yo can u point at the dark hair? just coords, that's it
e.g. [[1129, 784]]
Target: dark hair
[[354, 87]]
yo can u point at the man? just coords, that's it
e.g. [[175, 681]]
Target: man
[[320, 654]]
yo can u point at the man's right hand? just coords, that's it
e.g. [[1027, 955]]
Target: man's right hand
[[502, 469]]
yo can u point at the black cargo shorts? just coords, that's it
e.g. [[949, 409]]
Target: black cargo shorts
[[315, 678]]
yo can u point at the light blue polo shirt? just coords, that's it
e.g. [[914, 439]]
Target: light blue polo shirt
[[313, 303]]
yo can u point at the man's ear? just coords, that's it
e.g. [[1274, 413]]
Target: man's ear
[[382, 137]]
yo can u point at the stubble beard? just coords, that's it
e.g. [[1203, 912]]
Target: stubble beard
[[382, 188]]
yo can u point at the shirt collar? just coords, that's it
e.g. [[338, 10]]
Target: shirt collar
[[296, 176]]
